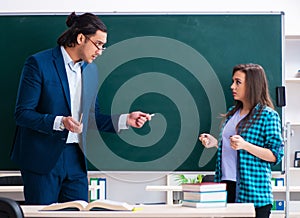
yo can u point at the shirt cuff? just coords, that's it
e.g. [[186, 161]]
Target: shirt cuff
[[57, 122], [122, 124]]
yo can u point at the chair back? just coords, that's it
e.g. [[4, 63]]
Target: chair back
[[10, 208]]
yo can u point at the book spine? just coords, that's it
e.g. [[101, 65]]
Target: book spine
[[205, 196], [196, 204], [94, 192], [102, 188], [203, 188]]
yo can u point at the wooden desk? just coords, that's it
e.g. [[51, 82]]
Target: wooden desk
[[149, 211]]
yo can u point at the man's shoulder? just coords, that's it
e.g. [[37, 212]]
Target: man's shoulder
[[48, 52]]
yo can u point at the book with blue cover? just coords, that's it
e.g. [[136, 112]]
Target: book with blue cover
[[197, 204]]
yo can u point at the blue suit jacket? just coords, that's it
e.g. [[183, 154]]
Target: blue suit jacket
[[44, 94]]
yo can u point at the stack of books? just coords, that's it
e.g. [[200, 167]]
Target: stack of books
[[205, 194]]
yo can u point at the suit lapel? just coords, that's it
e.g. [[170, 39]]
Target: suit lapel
[[61, 71]]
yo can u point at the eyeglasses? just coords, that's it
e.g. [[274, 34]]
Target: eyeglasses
[[97, 45]]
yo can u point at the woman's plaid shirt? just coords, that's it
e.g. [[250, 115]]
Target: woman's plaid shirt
[[254, 182]]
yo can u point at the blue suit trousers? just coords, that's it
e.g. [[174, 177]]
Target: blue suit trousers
[[67, 181]]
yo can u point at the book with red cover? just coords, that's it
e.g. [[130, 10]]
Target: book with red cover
[[204, 186]]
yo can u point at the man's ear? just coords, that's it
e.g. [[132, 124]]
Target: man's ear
[[80, 38]]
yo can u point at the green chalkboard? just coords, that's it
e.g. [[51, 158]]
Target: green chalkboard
[[177, 66]]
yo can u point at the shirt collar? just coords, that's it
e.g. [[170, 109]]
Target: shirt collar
[[69, 61]]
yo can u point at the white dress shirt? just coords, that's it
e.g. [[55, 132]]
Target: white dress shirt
[[74, 80]]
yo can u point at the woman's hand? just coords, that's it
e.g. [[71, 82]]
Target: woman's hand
[[208, 140], [237, 142]]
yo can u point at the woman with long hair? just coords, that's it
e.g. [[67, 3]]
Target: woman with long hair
[[250, 141]]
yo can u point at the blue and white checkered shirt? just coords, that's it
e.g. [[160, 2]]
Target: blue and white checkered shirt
[[254, 182]]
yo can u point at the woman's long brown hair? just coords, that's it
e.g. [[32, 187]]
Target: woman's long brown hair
[[257, 93]]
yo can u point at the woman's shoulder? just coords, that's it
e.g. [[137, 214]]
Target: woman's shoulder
[[268, 111]]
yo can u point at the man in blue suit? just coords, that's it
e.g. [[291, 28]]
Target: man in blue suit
[[56, 103]]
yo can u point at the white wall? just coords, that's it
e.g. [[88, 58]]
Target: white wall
[[291, 8]]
